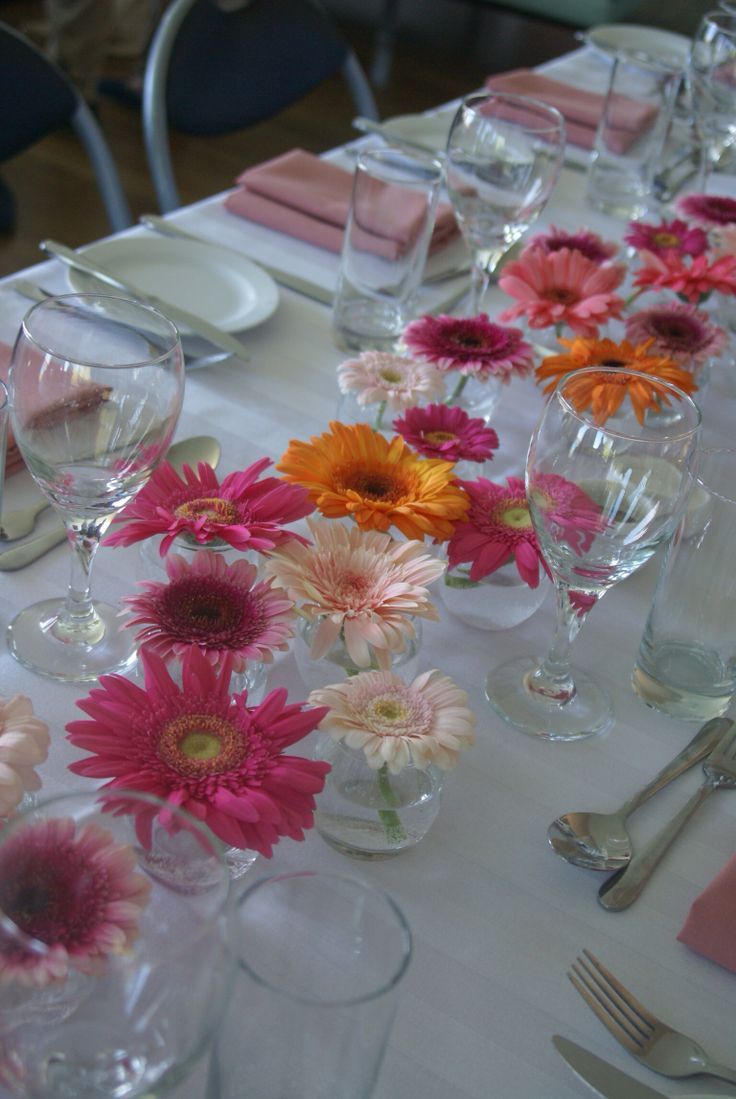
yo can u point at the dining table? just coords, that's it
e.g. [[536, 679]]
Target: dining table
[[497, 918]]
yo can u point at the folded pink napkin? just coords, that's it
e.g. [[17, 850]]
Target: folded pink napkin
[[305, 197], [580, 109], [13, 460], [710, 927]]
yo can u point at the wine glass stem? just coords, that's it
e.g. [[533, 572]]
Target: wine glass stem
[[552, 681], [481, 274], [78, 622]]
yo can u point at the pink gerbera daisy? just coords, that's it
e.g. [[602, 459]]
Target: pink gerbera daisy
[[426, 722], [446, 431], [707, 210], [361, 585], [563, 288], [217, 606], [568, 514], [498, 528], [24, 744], [471, 345], [589, 244], [72, 888], [247, 513], [682, 332], [199, 748], [676, 235], [397, 381], [694, 280]]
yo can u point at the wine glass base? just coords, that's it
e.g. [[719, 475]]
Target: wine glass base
[[589, 713], [33, 644]]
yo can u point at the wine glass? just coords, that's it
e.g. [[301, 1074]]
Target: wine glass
[[712, 80], [504, 154], [602, 497], [116, 946], [96, 386]]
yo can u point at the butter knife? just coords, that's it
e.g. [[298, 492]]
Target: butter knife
[[30, 551], [292, 282], [181, 317], [602, 1077]]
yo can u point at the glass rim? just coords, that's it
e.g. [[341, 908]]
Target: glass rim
[[169, 329], [393, 156], [551, 120], [586, 416], [354, 882], [4, 396]]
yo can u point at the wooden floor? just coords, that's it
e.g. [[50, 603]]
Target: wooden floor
[[447, 53]]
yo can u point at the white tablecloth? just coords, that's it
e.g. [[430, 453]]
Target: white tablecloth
[[497, 917]]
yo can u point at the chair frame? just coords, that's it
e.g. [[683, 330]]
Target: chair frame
[[155, 115]]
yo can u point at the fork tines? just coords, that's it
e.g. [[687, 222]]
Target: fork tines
[[628, 1020]]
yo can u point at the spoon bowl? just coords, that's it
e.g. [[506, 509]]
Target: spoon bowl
[[199, 448], [596, 841]]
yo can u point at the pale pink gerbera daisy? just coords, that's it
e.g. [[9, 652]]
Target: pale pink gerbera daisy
[[248, 513], [562, 288], [682, 332], [589, 244], [24, 744], [498, 528], [707, 210], [199, 748], [694, 280], [666, 235], [446, 431], [723, 238], [217, 606], [426, 722], [471, 345], [361, 585], [397, 381], [72, 888]]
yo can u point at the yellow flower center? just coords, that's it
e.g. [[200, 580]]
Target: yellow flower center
[[517, 517], [208, 507], [666, 240], [440, 436], [391, 376], [390, 709], [200, 744]]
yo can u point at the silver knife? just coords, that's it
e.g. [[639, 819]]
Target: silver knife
[[20, 556], [284, 278], [180, 317], [602, 1077], [370, 126]]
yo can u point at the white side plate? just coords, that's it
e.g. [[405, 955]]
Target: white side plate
[[611, 38]]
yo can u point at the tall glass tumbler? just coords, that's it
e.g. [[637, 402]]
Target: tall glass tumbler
[[387, 237], [686, 665], [321, 960]]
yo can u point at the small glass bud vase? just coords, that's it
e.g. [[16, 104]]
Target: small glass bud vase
[[373, 814], [376, 414], [500, 601], [337, 663], [187, 547], [478, 398]]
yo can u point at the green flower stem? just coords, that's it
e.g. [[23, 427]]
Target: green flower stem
[[460, 580], [395, 831], [378, 422], [457, 391]]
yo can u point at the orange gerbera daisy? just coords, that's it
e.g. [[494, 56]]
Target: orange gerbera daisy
[[604, 394], [353, 470]]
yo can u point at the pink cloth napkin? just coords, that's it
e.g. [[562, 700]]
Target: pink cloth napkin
[[710, 927], [305, 197], [13, 460], [580, 109]]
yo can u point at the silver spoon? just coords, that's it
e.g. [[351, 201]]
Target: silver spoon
[[600, 841]]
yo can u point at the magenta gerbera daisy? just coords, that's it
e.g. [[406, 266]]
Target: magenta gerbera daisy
[[471, 345], [569, 515], [72, 888], [214, 605], [589, 244], [200, 748], [667, 235], [247, 513], [707, 210], [497, 529], [446, 431], [684, 333]]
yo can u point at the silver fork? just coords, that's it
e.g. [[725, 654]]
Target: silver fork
[[643, 1035], [623, 887]]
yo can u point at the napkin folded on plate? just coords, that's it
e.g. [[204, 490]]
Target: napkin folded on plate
[[709, 927], [305, 197], [581, 109], [13, 460]]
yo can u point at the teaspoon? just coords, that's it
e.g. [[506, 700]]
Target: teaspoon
[[600, 841]]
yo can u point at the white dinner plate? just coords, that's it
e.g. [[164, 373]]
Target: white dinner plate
[[221, 286], [610, 38]]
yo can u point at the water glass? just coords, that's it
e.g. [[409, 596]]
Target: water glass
[[3, 435], [385, 246], [632, 132], [321, 958], [686, 665]]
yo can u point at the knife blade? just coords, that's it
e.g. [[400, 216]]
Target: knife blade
[[606, 1079], [20, 556], [292, 282], [181, 317]]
